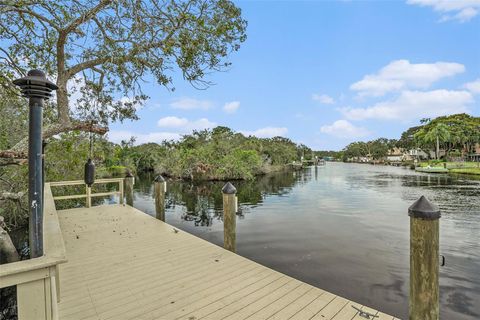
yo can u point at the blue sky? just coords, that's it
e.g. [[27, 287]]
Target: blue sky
[[327, 73]]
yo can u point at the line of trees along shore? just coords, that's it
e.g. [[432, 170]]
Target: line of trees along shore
[[455, 135], [216, 154]]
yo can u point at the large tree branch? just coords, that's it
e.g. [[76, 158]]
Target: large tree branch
[[18, 153], [137, 49], [80, 126], [86, 16], [8, 253], [14, 196], [11, 154], [12, 162], [118, 59]]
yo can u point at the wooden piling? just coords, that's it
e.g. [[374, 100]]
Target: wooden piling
[[229, 216], [129, 181], [88, 190], [160, 188], [424, 260]]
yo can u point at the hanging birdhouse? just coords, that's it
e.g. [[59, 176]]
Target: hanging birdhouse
[[89, 172]]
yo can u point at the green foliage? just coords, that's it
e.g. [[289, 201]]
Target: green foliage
[[407, 140], [105, 49], [13, 178], [475, 171], [66, 155], [329, 154], [216, 154], [240, 164], [455, 132], [376, 149]]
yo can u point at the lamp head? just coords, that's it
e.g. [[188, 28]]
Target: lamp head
[[36, 84]]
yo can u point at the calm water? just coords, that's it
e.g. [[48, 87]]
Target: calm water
[[343, 228]]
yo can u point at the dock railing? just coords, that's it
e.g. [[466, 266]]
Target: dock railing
[[37, 279], [88, 190]]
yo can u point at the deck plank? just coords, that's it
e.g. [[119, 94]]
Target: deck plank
[[124, 264]]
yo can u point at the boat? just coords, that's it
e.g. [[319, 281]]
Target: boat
[[431, 169]]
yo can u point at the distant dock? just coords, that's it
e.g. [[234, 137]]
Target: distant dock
[[431, 169]]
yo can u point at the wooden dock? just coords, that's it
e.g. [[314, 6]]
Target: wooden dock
[[125, 264]]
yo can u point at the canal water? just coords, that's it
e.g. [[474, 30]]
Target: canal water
[[343, 228]]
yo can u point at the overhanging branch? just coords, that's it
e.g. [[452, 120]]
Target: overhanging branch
[[14, 196], [18, 154]]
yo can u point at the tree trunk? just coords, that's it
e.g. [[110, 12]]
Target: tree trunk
[[8, 253], [62, 100], [438, 148]]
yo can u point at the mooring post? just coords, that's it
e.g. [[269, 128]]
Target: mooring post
[[129, 182], [424, 260], [160, 188], [36, 88], [229, 216]]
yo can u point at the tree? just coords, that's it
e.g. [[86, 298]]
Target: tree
[[407, 139], [355, 150], [439, 133], [379, 148], [101, 51], [457, 131]]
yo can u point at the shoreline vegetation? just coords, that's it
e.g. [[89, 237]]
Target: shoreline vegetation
[[448, 142], [207, 155], [465, 168]]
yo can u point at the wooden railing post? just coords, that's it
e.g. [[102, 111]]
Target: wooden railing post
[[89, 196], [229, 216], [424, 260], [33, 301], [129, 181], [160, 188], [121, 196]]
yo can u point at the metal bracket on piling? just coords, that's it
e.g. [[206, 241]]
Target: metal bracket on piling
[[364, 314]]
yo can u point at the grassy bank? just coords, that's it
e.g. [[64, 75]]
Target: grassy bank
[[475, 171], [454, 167]]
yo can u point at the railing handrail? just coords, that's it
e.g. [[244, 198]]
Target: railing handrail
[[80, 182], [54, 247], [88, 194]]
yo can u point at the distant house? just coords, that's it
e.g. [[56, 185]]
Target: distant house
[[476, 155], [418, 154], [395, 155], [362, 159]]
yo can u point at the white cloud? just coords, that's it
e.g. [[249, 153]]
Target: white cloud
[[158, 137], [172, 122], [401, 74], [190, 104], [231, 107], [184, 125], [461, 10], [473, 87], [414, 105], [344, 129], [267, 132], [323, 98]]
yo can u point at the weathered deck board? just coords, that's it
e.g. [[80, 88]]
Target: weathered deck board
[[124, 264]]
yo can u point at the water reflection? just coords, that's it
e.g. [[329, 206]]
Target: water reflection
[[342, 227]]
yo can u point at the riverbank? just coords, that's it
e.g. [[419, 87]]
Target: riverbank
[[471, 168]]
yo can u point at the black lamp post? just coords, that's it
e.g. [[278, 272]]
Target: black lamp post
[[36, 88]]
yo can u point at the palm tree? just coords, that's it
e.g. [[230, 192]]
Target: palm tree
[[440, 133]]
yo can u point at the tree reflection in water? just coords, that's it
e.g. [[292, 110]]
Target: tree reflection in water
[[202, 200]]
